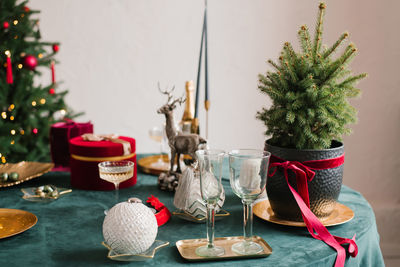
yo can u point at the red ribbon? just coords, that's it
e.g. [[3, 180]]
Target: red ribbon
[[304, 172], [163, 214]]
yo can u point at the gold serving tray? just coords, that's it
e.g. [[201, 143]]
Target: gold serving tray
[[13, 222], [27, 170], [341, 214], [187, 248]]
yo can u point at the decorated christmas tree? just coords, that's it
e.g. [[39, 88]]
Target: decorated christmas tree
[[310, 91], [27, 108]]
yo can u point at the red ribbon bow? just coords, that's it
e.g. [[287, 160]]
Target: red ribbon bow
[[163, 214], [304, 173]]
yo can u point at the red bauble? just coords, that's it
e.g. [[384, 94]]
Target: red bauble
[[26, 9], [6, 24], [30, 62], [35, 130], [52, 91], [55, 48]]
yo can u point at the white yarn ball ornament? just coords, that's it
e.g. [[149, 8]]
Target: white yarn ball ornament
[[130, 228]]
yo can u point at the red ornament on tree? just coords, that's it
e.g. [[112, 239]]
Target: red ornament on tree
[[35, 130], [6, 24], [55, 48], [30, 62], [52, 91], [26, 9]]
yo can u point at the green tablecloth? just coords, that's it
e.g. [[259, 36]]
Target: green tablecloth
[[69, 230]]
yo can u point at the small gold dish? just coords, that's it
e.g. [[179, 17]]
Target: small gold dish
[[341, 214], [148, 164], [148, 254], [31, 195], [187, 248], [27, 170], [187, 216], [14, 221]]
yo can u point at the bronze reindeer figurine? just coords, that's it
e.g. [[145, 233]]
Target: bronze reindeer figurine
[[179, 142]]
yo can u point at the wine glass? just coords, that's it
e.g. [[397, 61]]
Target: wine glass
[[157, 134], [116, 172], [248, 176], [210, 169]]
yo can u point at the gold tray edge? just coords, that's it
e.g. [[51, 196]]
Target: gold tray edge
[[51, 166]]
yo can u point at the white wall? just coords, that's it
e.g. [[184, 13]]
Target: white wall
[[113, 52]]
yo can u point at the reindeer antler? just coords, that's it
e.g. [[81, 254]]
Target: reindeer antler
[[179, 100], [166, 92]]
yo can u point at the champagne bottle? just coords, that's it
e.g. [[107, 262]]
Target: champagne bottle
[[188, 114]]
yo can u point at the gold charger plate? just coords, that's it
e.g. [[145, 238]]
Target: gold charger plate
[[341, 214], [14, 221], [187, 248], [27, 170]]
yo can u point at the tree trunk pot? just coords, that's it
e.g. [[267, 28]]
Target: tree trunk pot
[[323, 190]]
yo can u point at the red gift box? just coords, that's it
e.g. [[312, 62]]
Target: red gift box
[[60, 133], [86, 155]]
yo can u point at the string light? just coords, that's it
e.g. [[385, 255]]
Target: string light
[[13, 132], [42, 101], [40, 55], [63, 112], [12, 142], [15, 22], [34, 103], [11, 107], [4, 115], [16, 37], [22, 15], [1, 155], [8, 53], [19, 66], [12, 118], [3, 159], [22, 132]]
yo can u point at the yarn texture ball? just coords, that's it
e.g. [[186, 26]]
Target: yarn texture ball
[[130, 228]]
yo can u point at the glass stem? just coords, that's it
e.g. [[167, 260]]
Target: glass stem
[[247, 220], [116, 192], [210, 225]]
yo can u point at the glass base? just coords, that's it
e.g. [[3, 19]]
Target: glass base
[[247, 248], [206, 251], [106, 211]]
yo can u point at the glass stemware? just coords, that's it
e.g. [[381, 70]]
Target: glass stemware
[[116, 172], [157, 134], [210, 168], [248, 177]]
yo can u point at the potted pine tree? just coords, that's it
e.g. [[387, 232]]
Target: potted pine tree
[[309, 115]]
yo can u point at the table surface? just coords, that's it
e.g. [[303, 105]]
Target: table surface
[[69, 230]]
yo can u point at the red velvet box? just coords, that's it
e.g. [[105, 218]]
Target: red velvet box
[[60, 133], [86, 155]]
